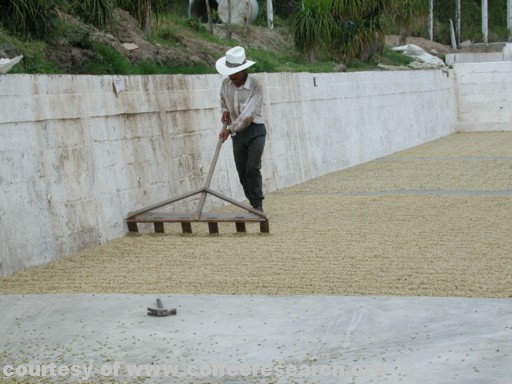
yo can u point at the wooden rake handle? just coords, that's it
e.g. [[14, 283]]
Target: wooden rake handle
[[214, 161], [202, 199]]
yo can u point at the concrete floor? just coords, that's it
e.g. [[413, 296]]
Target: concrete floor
[[361, 339]]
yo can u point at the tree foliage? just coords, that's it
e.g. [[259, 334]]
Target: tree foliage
[[471, 16], [284, 8]]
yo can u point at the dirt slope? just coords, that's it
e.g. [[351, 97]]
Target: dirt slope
[[184, 48]]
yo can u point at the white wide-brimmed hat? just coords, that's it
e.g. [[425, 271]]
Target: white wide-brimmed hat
[[234, 61]]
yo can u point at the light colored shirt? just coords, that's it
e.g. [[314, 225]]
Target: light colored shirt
[[243, 104]]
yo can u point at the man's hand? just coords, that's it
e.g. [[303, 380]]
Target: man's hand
[[226, 118], [224, 134]]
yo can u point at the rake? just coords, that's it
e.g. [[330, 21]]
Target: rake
[[148, 214]]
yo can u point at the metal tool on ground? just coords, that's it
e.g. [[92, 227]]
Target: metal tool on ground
[[148, 215], [160, 311]]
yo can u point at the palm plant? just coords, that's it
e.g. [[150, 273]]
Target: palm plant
[[351, 29], [359, 32], [31, 17], [95, 12], [141, 10], [312, 27], [406, 13]]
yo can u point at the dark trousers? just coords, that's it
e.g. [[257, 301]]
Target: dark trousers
[[248, 148]]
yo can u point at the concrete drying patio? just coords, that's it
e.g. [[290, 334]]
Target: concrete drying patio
[[398, 270]]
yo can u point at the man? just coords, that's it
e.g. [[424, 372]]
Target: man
[[241, 99]]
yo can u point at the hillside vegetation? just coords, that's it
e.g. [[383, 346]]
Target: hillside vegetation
[[177, 43]]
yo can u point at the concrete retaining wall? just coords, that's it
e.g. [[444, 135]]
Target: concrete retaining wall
[[452, 58], [484, 96], [481, 57], [75, 158]]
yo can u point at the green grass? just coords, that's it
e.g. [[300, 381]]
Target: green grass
[[267, 61], [34, 60], [390, 57], [108, 61], [270, 62]]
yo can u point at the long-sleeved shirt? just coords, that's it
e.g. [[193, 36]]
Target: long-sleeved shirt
[[243, 104]]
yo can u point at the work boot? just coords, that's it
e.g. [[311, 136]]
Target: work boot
[[259, 207]]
